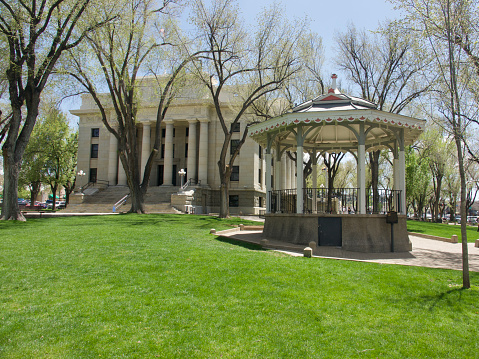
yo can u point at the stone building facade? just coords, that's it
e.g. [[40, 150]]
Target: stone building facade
[[191, 139]]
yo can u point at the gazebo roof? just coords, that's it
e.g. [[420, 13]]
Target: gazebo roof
[[331, 122]]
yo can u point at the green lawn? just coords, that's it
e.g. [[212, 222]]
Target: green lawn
[[151, 286], [442, 230]]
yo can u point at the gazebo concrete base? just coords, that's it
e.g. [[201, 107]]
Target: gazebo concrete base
[[352, 232]]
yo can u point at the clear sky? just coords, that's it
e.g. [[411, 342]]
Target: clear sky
[[328, 17]]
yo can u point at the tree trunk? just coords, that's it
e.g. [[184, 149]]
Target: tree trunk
[[69, 186], [10, 208], [137, 200], [329, 208], [35, 188], [374, 163], [437, 197], [54, 194], [224, 200]]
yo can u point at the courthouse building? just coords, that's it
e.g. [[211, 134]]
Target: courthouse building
[[191, 139]]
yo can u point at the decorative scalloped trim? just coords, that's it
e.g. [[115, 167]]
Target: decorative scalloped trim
[[329, 120]]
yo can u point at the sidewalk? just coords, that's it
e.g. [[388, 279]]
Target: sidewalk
[[425, 253]]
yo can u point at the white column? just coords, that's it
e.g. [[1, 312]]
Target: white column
[[203, 153], [145, 147], [315, 183], [402, 179], [191, 163], [267, 158], [288, 172], [277, 169], [121, 174], [396, 184], [277, 178], [113, 161], [168, 158], [361, 183], [299, 171], [284, 180], [361, 179]]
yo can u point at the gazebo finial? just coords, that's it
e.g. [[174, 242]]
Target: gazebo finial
[[333, 88]]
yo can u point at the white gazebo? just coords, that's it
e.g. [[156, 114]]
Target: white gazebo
[[335, 122]]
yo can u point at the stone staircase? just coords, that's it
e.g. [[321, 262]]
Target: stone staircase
[[158, 200]]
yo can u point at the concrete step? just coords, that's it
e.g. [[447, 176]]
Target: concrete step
[[158, 200]]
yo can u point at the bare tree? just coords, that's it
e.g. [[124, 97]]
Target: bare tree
[[243, 65], [142, 40], [386, 71], [438, 23], [37, 34], [332, 162]]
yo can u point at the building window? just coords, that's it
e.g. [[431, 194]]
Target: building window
[[233, 146], [260, 202], [163, 132], [94, 150], [93, 175], [235, 174], [162, 150], [235, 127], [173, 154], [234, 200], [260, 176], [186, 150], [260, 152], [187, 132], [95, 132]]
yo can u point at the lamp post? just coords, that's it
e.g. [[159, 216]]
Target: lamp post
[[81, 174], [182, 174]]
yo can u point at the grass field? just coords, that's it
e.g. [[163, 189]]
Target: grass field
[[442, 230], [160, 286]]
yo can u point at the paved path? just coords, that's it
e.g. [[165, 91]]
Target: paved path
[[425, 252]]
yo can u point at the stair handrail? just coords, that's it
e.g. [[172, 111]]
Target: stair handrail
[[185, 186], [86, 186], [120, 203]]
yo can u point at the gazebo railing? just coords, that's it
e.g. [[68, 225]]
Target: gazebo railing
[[387, 200], [341, 200]]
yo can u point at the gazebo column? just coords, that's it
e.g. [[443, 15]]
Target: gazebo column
[[288, 173], [361, 182], [284, 181], [315, 182], [399, 174], [267, 159], [299, 170], [396, 185], [402, 172], [277, 177]]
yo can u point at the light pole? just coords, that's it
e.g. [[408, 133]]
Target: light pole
[[81, 174], [182, 174]]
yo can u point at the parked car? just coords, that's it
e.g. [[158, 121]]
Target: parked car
[[41, 204], [58, 204], [23, 202], [472, 219]]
